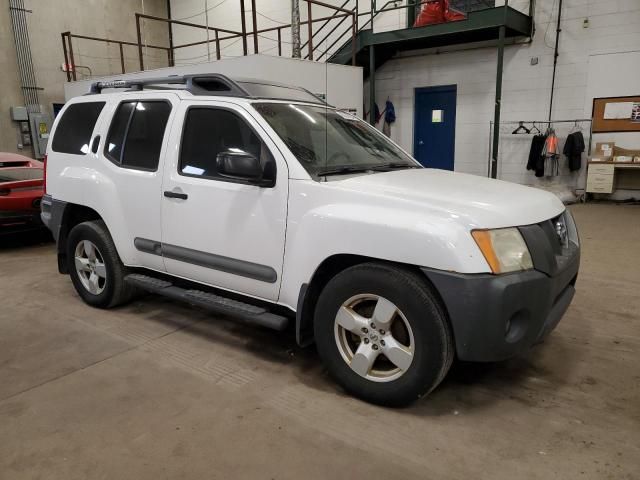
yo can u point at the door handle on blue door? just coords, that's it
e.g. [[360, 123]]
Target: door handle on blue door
[[180, 195], [420, 142]]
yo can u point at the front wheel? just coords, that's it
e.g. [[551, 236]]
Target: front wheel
[[382, 334]]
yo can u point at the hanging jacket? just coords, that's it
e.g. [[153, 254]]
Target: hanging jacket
[[573, 148], [550, 154], [535, 152]]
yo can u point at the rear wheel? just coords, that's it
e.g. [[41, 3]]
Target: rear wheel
[[95, 267], [383, 334]]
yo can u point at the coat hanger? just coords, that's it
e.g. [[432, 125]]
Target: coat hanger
[[576, 127], [521, 127], [538, 132]]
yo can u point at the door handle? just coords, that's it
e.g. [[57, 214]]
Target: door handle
[[420, 142], [180, 195]]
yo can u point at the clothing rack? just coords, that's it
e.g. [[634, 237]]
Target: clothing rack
[[537, 122]]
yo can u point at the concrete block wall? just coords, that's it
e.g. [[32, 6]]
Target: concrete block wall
[[611, 41]]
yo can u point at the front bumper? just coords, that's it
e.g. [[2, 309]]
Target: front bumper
[[495, 317]]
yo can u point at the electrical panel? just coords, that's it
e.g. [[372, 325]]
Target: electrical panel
[[40, 130], [19, 114]]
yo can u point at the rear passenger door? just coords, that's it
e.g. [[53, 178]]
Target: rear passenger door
[[134, 146], [216, 230]]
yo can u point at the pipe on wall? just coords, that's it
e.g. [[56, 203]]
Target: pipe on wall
[[26, 72]]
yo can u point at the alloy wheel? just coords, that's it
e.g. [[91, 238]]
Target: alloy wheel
[[374, 337], [90, 267]]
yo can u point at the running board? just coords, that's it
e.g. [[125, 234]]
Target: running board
[[245, 312]]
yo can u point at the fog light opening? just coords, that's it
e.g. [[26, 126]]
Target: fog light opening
[[516, 326]]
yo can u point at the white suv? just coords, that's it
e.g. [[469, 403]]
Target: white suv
[[259, 201]]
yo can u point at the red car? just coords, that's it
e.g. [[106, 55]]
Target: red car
[[21, 190]]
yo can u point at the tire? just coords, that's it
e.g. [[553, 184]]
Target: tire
[[418, 323], [106, 292]]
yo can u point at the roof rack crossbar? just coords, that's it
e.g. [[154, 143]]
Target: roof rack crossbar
[[196, 84]]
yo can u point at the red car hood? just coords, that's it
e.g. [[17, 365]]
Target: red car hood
[[15, 160]]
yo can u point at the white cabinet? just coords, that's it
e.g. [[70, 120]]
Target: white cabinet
[[600, 178]]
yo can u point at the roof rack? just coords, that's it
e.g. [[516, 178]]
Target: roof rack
[[205, 84], [202, 84]]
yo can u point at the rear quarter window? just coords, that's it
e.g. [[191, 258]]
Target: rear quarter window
[[74, 130]]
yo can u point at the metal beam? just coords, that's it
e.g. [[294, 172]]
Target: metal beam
[[498, 104], [372, 85], [555, 59]]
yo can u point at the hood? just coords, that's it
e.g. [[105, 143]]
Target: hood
[[480, 201]]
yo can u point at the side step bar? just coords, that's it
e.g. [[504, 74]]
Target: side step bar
[[245, 312]]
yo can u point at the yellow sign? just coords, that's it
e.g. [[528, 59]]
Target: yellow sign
[[42, 127]]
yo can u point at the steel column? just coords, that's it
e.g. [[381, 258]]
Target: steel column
[[279, 42], [171, 62], [372, 85], [354, 33], [310, 30], [217, 44], [498, 103], [255, 26], [244, 27], [555, 59]]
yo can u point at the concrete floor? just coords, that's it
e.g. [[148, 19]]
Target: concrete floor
[[160, 390]]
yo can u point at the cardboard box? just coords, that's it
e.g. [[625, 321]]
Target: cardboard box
[[604, 150]]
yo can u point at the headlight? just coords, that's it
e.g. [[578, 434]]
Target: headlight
[[504, 249], [572, 230]]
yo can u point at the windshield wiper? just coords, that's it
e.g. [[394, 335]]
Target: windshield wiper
[[392, 165], [343, 170]]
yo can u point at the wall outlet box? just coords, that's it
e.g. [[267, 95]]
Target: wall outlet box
[[19, 114]]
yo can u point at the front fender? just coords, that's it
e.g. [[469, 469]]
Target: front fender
[[400, 233]]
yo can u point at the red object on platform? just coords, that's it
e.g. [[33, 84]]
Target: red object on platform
[[437, 11]]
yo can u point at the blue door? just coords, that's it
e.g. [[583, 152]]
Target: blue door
[[434, 128]]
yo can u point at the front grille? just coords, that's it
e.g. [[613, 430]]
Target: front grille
[[551, 243]]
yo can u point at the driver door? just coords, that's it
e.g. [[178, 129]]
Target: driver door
[[217, 230]]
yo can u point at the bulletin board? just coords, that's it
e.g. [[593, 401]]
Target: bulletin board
[[602, 124]]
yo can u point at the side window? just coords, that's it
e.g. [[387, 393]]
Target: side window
[[210, 131], [136, 134], [74, 130]]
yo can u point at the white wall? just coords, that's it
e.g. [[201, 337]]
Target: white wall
[[591, 63], [341, 84]]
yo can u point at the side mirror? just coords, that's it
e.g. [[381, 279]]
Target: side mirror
[[239, 165]]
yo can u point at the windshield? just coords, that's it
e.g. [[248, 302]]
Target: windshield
[[326, 141]]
